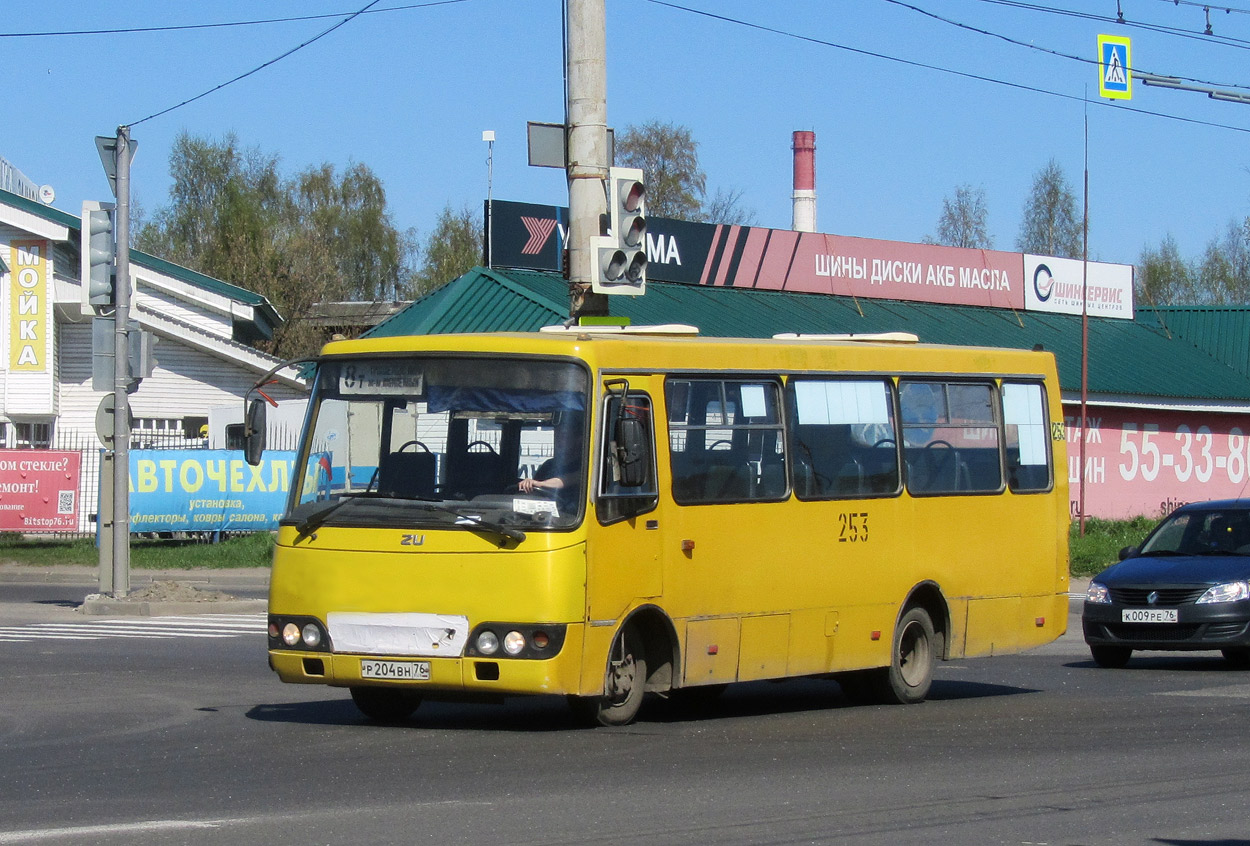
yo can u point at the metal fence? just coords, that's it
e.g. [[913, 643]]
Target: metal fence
[[90, 450]]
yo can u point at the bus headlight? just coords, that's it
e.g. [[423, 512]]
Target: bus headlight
[[513, 643], [526, 641], [311, 635], [303, 632], [487, 643]]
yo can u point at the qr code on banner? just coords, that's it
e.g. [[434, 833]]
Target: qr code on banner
[[65, 502]]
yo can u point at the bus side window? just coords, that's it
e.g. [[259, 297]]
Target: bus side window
[[725, 440], [950, 437], [629, 451], [1028, 448], [843, 436]]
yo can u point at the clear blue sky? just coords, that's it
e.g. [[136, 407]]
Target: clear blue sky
[[409, 91]]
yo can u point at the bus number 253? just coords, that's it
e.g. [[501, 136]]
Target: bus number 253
[[854, 527]]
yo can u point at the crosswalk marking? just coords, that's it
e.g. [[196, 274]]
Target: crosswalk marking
[[210, 626]]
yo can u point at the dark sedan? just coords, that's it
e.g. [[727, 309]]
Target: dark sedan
[[1187, 587]]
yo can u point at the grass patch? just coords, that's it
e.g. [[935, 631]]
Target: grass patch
[[1100, 548], [1091, 554], [250, 550]]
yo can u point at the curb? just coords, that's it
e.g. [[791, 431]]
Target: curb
[[63, 575], [126, 608]]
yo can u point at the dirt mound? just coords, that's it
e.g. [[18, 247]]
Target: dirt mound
[[171, 591]]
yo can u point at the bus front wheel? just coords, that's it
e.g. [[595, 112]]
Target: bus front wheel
[[624, 683], [385, 705], [910, 674]]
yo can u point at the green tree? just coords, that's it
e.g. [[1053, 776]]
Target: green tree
[[1224, 271], [453, 247], [1163, 277], [350, 215], [1051, 225], [317, 237], [963, 222], [668, 156]]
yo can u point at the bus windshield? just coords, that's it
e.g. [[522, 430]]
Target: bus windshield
[[476, 442]]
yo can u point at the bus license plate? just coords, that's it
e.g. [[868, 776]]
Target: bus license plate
[[1148, 615], [395, 670]]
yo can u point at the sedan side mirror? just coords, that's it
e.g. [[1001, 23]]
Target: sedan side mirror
[[1128, 552]]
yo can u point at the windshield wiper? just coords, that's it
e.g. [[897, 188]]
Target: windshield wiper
[[318, 517], [475, 521]]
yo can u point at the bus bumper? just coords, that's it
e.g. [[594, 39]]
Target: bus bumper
[[471, 676]]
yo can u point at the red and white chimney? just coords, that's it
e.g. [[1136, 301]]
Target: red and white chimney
[[804, 181]]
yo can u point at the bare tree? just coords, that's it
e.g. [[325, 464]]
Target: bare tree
[[1051, 225], [1163, 277], [963, 220]]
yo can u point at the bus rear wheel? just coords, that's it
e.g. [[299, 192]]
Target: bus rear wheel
[[384, 704], [624, 684], [910, 675]]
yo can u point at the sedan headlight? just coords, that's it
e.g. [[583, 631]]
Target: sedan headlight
[[1098, 594], [1228, 592]]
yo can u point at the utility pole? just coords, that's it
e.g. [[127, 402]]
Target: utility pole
[[121, 373], [586, 107]]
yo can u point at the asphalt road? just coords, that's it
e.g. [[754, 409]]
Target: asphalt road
[[138, 736]]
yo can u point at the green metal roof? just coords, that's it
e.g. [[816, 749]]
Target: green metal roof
[[1222, 331], [266, 317], [1126, 357]]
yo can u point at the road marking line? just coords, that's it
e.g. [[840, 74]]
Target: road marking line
[[38, 834]]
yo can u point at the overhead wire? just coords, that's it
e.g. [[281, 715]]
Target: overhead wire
[[940, 69], [1057, 53], [1178, 32], [218, 25], [348, 19]]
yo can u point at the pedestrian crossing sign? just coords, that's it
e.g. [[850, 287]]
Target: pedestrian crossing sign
[[1115, 74]]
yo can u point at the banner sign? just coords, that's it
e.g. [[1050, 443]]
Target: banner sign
[[1059, 285], [532, 236], [30, 329], [39, 490], [214, 490], [1150, 461]]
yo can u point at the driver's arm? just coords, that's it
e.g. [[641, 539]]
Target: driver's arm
[[527, 485]]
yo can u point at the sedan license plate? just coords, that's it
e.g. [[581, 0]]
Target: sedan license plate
[[395, 670], [1148, 615]]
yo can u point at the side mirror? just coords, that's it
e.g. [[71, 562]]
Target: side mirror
[[1128, 552], [631, 452], [254, 431]]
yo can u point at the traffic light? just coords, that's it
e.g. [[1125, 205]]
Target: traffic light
[[622, 257], [98, 253]]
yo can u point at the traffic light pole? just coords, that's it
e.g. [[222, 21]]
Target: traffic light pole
[[587, 165], [121, 375]]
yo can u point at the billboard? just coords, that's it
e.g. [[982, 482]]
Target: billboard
[[212, 490], [1149, 461], [526, 235], [39, 490], [1059, 285]]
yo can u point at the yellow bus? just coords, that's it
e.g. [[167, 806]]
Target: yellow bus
[[605, 514]]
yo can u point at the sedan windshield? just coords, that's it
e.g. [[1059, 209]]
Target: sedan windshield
[[1214, 532], [485, 444]]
